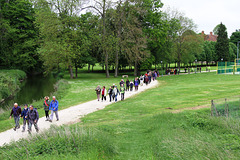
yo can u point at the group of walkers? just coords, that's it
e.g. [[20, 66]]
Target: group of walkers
[[172, 71], [113, 90], [30, 115]]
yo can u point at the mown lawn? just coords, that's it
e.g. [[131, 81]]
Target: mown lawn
[[142, 127]]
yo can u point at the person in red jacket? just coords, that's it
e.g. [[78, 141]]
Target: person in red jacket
[[104, 93]]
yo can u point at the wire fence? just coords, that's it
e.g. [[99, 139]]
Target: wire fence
[[228, 67], [228, 107]]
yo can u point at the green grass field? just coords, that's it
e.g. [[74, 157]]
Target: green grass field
[[141, 127]]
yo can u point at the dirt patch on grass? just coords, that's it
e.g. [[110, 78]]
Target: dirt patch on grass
[[190, 108]]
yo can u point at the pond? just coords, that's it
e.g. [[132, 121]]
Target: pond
[[32, 89]]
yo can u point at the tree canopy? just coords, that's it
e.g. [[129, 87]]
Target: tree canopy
[[55, 35]]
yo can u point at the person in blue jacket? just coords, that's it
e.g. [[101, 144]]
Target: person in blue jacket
[[24, 117], [54, 109]]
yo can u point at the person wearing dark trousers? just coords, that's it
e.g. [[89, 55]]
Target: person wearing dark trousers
[[46, 105], [16, 112], [104, 93], [23, 115], [122, 91], [146, 80], [116, 92], [33, 118], [136, 84], [113, 95], [127, 85], [131, 85], [98, 92], [149, 77], [121, 82], [110, 91]]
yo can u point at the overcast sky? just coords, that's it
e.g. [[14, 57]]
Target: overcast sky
[[209, 13]]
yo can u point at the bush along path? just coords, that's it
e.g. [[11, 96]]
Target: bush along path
[[68, 116]]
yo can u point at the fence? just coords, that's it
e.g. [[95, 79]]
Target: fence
[[228, 107], [228, 67]]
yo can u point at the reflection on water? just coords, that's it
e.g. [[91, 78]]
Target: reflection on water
[[33, 88]]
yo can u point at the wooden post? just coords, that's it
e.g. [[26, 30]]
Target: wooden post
[[212, 108], [225, 112], [215, 109], [239, 103]]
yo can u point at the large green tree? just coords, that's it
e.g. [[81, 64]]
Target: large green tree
[[19, 34], [209, 53], [222, 45], [232, 51], [235, 37], [58, 25], [186, 42]]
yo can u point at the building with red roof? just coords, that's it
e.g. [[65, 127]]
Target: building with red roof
[[209, 37]]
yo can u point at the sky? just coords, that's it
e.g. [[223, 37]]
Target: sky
[[209, 13]]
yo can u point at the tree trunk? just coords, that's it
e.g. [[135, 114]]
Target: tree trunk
[[135, 68], [89, 68], [104, 38], [118, 50], [76, 70], [116, 65], [106, 66], [178, 63], [70, 71]]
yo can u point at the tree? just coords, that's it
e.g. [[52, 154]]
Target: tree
[[101, 7], [192, 46], [215, 30], [209, 52], [232, 51], [57, 22], [186, 41], [155, 27], [19, 34], [167, 49], [222, 45], [134, 37], [235, 37]]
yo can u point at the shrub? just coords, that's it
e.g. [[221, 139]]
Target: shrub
[[9, 82], [60, 88]]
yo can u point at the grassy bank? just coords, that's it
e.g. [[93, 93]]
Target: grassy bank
[[142, 127], [187, 135]]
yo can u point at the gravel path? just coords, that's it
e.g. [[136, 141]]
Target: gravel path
[[67, 116]]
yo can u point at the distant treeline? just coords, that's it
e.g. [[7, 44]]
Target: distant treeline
[[47, 35]]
